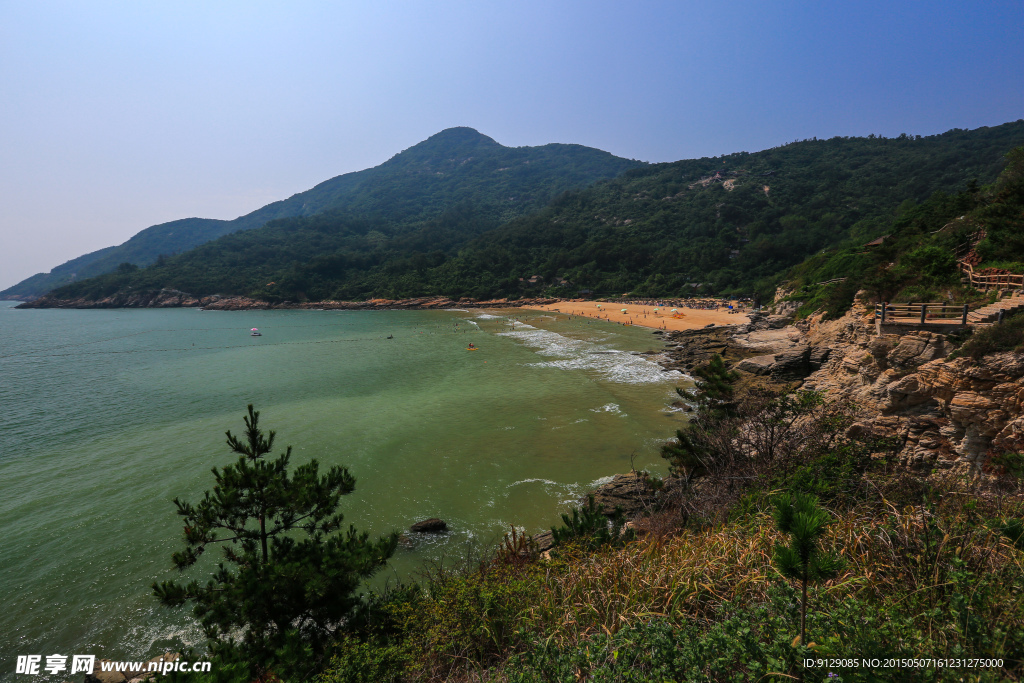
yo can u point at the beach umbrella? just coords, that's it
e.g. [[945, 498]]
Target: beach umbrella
[[623, 310], [674, 310]]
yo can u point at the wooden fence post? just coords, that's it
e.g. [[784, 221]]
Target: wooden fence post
[[964, 321], [883, 312], [924, 307]]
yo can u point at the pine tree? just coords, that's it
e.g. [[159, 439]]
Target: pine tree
[[698, 444], [803, 560], [288, 576], [713, 390]]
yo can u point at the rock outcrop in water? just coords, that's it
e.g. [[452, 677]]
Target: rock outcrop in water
[[430, 526]]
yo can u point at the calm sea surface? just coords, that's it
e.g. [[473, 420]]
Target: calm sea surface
[[107, 416]]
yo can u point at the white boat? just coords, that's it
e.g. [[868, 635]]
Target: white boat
[[255, 333]]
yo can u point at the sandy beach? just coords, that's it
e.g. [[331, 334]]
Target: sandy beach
[[645, 316]]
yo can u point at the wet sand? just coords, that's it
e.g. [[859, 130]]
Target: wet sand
[[644, 316]]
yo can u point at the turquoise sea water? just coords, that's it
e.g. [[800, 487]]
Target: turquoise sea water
[[107, 416]]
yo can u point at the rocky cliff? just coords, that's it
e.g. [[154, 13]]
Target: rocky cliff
[[947, 414]]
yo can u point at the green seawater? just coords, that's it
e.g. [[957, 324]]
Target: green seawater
[[107, 416]]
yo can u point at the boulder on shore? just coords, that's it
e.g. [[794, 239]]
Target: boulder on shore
[[629, 491], [129, 675]]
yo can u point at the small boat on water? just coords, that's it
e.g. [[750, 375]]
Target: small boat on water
[[255, 333]]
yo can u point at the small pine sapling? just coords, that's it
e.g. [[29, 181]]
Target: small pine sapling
[[803, 559]]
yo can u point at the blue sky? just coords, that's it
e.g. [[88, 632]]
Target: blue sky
[[115, 116]]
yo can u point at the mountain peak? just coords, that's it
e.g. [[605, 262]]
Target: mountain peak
[[461, 135], [450, 143]]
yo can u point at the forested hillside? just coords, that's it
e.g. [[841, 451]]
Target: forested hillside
[[731, 224], [456, 167], [917, 260]]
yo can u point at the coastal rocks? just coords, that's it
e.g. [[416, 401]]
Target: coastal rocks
[[818, 357], [169, 298], [788, 308], [792, 364], [544, 541], [776, 340], [163, 298], [631, 492], [688, 349], [130, 675], [915, 350], [430, 526], [945, 413], [757, 365]]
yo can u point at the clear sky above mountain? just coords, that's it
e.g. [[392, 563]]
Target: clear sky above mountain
[[119, 115]]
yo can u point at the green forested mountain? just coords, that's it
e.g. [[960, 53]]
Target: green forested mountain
[[917, 260], [456, 167], [733, 223]]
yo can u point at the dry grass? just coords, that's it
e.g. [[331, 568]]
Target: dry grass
[[687, 577]]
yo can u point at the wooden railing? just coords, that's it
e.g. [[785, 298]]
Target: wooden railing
[[986, 282], [922, 313]]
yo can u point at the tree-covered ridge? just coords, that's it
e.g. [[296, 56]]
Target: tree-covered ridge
[[655, 229], [456, 166], [917, 260], [733, 224]]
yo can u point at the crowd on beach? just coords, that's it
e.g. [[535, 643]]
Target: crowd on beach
[[705, 304]]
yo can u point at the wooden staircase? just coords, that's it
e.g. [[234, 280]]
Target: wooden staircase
[[988, 315]]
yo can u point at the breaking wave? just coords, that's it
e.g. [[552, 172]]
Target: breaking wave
[[580, 354]]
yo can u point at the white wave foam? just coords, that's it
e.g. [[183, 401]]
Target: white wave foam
[[607, 408], [580, 354], [601, 481], [535, 481]]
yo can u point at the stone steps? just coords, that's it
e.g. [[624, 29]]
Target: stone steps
[[990, 313]]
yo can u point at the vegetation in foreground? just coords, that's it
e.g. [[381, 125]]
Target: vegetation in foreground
[[814, 551]]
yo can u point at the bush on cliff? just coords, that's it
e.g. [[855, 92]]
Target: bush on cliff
[[1009, 336]]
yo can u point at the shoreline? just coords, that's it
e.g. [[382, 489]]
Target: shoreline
[[636, 314], [176, 299], [642, 315]]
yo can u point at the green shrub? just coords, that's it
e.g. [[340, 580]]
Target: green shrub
[[931, 261], [1009, 336], [590, 528], [751, 642]]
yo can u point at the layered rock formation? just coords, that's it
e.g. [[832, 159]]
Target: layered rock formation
[[945, 413]]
